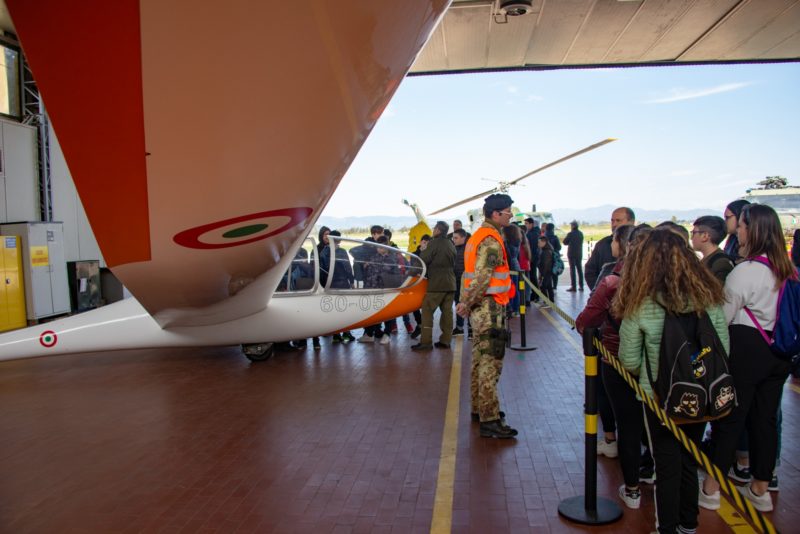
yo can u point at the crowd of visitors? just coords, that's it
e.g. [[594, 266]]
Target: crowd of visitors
[[640, 276], [664, 272]]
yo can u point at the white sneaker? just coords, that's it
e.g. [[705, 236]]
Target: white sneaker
[[607, 448], [630, 497], [384, 340], [762, 503], [366, 339], [709, 502]]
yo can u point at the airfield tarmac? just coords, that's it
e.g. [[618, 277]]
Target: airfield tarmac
[[345, 439]]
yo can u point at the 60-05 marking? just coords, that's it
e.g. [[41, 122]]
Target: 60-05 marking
[[342, 303]]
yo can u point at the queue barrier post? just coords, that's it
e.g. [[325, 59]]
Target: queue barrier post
[[588, 509], [522, 347]]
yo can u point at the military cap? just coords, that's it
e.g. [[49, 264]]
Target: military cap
[[497, 201]]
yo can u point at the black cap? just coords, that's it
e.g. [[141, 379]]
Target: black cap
[[497, 202]]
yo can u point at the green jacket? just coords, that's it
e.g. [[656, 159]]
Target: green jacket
[[640, 337], [439, 257]]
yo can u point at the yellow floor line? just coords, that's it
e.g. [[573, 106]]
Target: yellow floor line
[[564, 332], [443, 500], [734, 519], [795, 387]]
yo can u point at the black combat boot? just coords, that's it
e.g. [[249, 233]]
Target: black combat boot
[[477, 418], [494, 429]]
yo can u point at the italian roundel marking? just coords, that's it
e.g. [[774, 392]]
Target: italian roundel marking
[[242, 230], [48, 338]]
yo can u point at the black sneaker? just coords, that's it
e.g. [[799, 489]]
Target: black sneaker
[[739, 475], [317, 346], [347, 337], [417, 331], [773, 484], [337, 338], [494, 429], [457, 331], [647, 474]]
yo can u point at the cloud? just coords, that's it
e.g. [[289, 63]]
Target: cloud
[[512, 89], [689, 94], [684, 172], [534, 98]]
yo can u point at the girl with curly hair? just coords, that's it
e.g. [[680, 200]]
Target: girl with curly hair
[[663, 275]]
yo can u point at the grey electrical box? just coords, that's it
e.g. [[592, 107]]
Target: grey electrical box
[[44, 267], [84, 284]]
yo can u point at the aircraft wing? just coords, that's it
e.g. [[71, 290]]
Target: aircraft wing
[[205, 137]]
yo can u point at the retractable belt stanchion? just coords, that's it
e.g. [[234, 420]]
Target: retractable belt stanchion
[[523, 342], [588, 509]]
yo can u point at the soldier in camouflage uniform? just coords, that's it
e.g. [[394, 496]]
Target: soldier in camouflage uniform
[[483, 296]]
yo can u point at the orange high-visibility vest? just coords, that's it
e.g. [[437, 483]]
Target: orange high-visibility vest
[[500, 287]]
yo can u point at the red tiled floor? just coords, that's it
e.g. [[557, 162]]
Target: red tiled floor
[[346, 439]]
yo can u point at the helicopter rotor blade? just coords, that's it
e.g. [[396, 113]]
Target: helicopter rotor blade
[[470, 199], [517, 180], [565, 158]]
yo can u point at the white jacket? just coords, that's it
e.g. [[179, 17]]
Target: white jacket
[[751, 284]]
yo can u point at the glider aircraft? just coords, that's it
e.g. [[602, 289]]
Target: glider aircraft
[[203, 163]]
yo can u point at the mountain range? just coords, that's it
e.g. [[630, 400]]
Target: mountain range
[[561, 215]]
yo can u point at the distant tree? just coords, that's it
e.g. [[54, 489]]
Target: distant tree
[[774, 182]]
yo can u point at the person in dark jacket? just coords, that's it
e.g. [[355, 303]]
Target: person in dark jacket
[[460, 243], [439, 256], [321, 244], [342, 276], [731, 215], [574, 242], [381, 264], [601, 254], [707, 234], [545, 267], [552, 238], [532, 233], [512, 242]]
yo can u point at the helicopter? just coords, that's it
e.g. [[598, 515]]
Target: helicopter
[[503, 187]]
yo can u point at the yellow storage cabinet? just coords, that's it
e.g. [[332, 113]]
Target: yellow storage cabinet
[[12, 294]]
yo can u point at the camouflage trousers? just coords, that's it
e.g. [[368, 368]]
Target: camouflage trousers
[[486, 368]]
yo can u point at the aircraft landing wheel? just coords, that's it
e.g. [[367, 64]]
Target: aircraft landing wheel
[[258, 352]]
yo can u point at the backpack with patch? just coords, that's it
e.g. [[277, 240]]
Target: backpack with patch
[[694, 383], [558, 264], [785, 340]]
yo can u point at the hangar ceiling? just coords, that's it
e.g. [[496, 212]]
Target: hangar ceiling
[[473, 35]]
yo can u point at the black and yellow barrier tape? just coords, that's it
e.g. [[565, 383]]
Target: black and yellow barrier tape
[[759, 521]]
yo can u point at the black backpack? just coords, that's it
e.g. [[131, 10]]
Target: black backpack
[[694, 383]]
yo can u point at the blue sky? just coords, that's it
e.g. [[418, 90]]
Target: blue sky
[[689, 137]]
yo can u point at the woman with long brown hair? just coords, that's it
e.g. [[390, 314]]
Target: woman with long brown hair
[[663, 275], [758, 374]]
